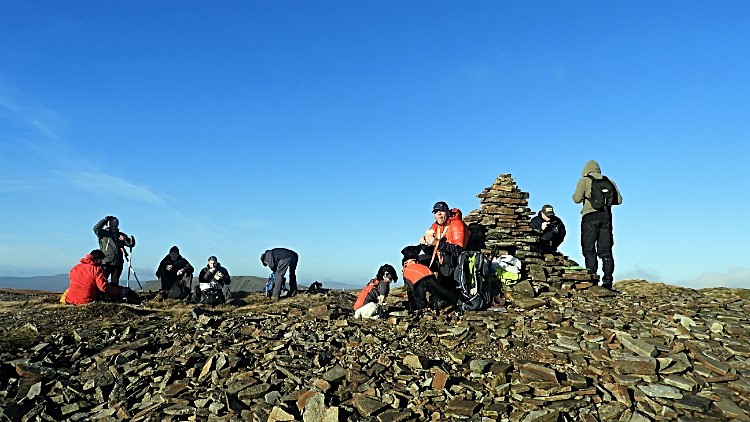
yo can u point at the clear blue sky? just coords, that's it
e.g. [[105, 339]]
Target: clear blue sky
[[331, 127]]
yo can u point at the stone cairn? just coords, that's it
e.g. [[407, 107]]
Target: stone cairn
[[500, 226]]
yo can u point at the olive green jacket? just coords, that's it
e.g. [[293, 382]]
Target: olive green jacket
[[583, 188]]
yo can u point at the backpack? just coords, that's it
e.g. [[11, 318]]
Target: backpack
[[212, 297], [181, 288], [602, 192], [268, 290], [473, 276]]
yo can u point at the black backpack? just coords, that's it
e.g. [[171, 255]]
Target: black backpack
[[473, 278], [212, 297], [602, 192]]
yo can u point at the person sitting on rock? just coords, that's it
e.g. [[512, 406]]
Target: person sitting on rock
[[172, 271], [88, 283], [552, 229], [420, 280], [371, 299], [444, 241], [213, 279]]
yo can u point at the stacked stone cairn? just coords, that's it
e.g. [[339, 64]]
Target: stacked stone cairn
[[500, 226]]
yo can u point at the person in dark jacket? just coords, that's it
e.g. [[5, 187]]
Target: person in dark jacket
[[550, 227], [112, 242], [279, 260], [596, 224], [213, 277], [172, 269]]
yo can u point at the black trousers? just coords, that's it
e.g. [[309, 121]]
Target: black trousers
[[113, 271], [597, 241]]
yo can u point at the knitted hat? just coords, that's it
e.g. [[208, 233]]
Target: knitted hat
[[174, 249]]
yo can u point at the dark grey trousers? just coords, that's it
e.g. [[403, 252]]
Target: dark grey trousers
[[281, 269]]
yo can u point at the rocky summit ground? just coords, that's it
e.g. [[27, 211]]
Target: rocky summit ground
[[650, 353]]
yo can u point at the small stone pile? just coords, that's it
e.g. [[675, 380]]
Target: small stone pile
[[501, 226]]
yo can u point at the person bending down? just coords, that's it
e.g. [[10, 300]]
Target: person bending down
[[88, 283]]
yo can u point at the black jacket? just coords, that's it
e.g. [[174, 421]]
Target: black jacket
[[272, 257], [555, 229], [177, 265], [206, 275]]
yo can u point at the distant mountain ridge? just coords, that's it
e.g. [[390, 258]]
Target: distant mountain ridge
[[60, 282]]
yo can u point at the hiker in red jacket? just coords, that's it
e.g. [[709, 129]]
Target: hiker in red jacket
[[87, 281]]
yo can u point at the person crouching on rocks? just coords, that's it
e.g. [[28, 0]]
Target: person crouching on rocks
[[88, 283], [214, 277], [371, 299]]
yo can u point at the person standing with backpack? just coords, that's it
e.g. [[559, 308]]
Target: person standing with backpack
[[598, 194]]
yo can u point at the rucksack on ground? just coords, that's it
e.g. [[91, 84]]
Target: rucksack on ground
[[602, 192], [212, 297], [268, 290], [474, 278], [181, 288]]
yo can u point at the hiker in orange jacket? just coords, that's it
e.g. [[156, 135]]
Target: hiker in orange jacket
[[371, 299], [87, 281], [420, 280], [445, 240]]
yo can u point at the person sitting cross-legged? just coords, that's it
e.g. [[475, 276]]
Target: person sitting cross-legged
[[214, 278]]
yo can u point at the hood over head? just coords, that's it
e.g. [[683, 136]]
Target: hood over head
[[592, 167]]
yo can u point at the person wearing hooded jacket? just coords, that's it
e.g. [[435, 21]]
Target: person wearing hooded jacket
[[596, 225], [87, 281]]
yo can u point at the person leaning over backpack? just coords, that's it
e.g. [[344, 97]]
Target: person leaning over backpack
[[598, 194], [279, 260]]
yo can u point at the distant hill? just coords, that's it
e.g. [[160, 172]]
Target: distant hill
[[60, 282], [240, 283], [49, 283]]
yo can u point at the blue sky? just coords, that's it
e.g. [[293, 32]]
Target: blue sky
[[331, 127]]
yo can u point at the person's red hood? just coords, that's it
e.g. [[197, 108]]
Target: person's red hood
[[456, 213], [89, 259]]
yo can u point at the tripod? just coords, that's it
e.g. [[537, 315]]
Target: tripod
[[130, 269]]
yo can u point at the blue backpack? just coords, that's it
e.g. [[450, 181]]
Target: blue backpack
[[268, 290]]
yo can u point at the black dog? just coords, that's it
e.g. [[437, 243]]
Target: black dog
[[420, 280]]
